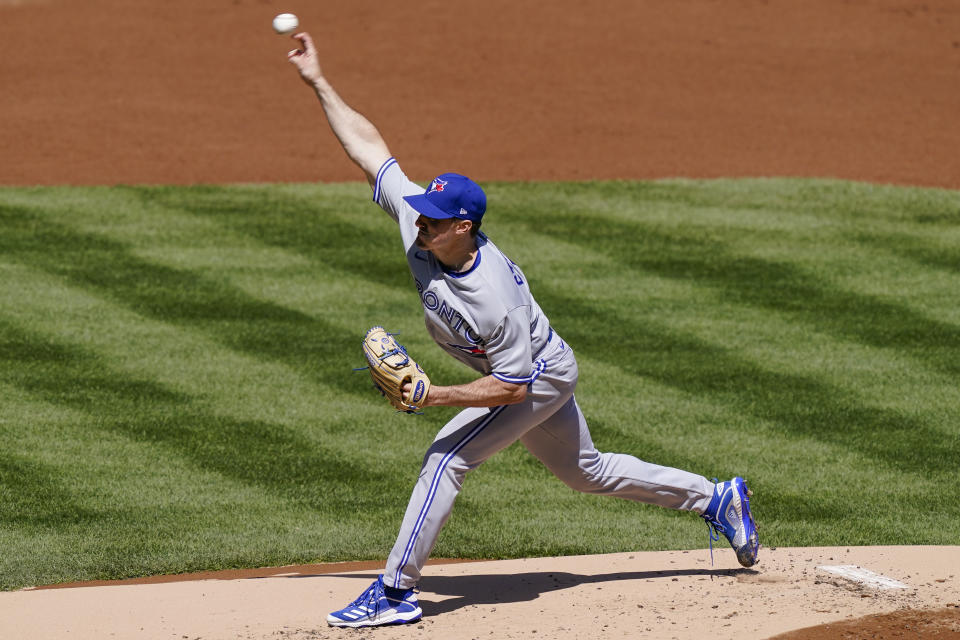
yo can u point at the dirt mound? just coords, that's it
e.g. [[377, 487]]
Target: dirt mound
[[902, 625], [675, 594]]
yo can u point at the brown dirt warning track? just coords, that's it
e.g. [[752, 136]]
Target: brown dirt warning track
[[186, 91], [199, 91]]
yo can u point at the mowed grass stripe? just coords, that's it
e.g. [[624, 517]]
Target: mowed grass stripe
[[108, 403], [691, 393], [337, 226], [701, 254], [35, 495], [825, 228], [83, 502], [198, 424], [663, 296], [618, 244], [185, 368], [266, 454], [801, 404], [293, 252], [350, 265], [768, 339], [940, 436], [180, 297]]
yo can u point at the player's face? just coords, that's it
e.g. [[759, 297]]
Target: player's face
[[434, 233]]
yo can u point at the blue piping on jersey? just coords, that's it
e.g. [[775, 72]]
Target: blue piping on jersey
[[431, 494], [460, 274], [538, 367], [376, 187]]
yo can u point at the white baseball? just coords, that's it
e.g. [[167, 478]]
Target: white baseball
[[285, 23]]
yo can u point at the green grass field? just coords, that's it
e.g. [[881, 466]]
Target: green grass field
[[178, 394]]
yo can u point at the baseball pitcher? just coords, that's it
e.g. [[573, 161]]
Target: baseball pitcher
[[478, 307]]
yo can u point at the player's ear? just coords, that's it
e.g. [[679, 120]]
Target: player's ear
[[464, 226]]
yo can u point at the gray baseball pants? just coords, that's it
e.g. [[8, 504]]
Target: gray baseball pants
[[551, 426]]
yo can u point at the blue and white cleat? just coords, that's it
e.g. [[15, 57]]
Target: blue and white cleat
[[729, 514], [378, 605]]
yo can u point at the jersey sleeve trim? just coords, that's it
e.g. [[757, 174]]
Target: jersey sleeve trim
[[383, 169], [538, 367]]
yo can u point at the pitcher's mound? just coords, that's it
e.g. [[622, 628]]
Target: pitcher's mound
[[674, 594]]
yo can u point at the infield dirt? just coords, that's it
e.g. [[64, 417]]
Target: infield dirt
[[181, 92], [674, 594]]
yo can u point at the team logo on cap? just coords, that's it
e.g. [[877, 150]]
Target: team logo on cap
[[437, 185]]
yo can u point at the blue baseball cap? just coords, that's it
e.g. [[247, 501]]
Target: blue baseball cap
[[451, 195]]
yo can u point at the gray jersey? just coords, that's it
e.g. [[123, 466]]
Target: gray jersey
[[484, 316]]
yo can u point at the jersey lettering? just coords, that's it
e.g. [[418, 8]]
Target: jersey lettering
[[430, 300], [457, 323], [472, 336], [450, 316]]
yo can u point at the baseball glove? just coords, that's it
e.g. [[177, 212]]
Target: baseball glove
[[391, 367]]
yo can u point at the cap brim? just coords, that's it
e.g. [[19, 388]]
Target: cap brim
[[423, 206]]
